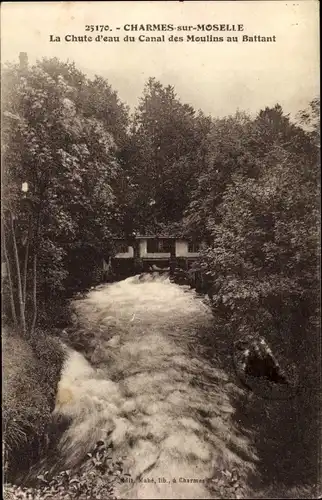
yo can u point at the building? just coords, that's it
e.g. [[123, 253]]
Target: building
[[144, 253], [157, 248]]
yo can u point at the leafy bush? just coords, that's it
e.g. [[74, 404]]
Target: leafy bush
[[31, 372], [95, 479], [260, 217]]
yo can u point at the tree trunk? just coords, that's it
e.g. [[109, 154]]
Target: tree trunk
[[34, 274], [24, 290], [12, 300], [34, 293], [16, 256]]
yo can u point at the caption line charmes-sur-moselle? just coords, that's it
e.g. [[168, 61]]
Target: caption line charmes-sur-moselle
[[99, 33]]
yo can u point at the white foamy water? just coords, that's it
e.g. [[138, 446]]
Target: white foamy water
[[164, 405]]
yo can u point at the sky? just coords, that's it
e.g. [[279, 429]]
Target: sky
[[216, 77]]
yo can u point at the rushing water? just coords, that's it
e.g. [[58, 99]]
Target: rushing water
[[151, 387]]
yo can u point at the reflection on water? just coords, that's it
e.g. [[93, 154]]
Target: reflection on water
[[152, 386]]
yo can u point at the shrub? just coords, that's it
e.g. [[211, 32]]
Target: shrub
[[31, 372], [94, 479], [259, 213]]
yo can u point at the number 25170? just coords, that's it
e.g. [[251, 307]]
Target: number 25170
[[97, 27]]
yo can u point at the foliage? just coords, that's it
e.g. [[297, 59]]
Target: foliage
[[31, 374], [163, 157], [263, 255], [238, 145], [228, 150], [261, 223], [56, 139], [94, 479], [310, 119]]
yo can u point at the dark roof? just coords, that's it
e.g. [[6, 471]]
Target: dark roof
[[151, 236], [159, 236]]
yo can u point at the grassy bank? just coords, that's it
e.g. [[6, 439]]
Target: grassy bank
[[31, 371]]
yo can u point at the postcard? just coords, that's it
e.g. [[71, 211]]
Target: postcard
[[160, 249]]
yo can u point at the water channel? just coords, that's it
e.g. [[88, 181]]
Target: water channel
[[153, 387]]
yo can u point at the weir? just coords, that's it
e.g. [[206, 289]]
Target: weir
[[153, 389], [156, 254]]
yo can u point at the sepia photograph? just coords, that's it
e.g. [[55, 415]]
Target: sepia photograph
[[160, 250]]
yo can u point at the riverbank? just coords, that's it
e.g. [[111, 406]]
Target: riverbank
[[31, 371], [149, 387], [153, 377]]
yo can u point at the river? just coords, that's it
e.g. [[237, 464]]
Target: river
[[154, 386]]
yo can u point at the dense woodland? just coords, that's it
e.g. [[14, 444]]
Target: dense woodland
[[246, 185]]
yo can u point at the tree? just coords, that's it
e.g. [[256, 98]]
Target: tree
[[309, 118], [228, 150], [163, 156], [261, 218], [238, 145], [262, 265], [68, 158]]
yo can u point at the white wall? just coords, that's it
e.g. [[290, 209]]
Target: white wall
[[143, 248], [181, 248], [158, 255]]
